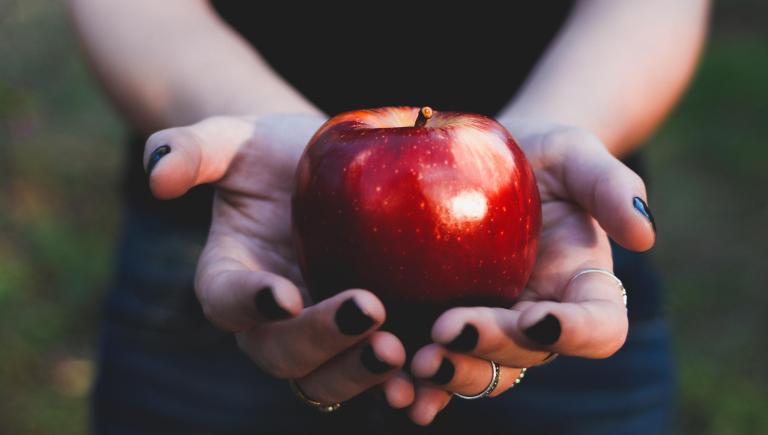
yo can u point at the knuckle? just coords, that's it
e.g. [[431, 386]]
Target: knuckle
[[327, 393], [614, 342], [244, 344], [618, 172], [208, 312], [322, 329], [293, 369], [211, 304], [272, 365], [603, 187], [572, 136], [187, 136], [214, 120], [281, 371], [212, 123], [637, 182], [611, 347], [283, 365], [209, 308], [215, 124]]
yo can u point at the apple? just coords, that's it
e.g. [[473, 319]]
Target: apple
[[428, 210]]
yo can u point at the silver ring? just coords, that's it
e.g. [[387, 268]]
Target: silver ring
[[604, 272], [491, 386]]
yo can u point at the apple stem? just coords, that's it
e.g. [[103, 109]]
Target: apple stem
[[424, 114]]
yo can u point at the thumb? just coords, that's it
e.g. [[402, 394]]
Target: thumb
[[611, 192], [177, 159]]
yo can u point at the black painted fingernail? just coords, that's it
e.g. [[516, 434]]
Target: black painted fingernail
[[546, 331], [268, 306], [372, 363], [444, 373], [465, 341], [155, 157], [642, 207], [351, 320]]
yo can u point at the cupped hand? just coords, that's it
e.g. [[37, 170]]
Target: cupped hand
[[247, 279], [585, 193]]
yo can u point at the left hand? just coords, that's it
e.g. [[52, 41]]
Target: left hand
[[585, 192], [248, 280]]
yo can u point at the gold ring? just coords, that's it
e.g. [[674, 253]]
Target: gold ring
[[313, 403], [518, 379], [607, 273]]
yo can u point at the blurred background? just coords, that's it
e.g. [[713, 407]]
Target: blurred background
[[61, 146]]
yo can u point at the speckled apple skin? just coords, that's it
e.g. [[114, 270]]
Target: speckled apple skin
[[427, 218]]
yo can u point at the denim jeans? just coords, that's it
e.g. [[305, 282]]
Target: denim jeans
[[164, 370]]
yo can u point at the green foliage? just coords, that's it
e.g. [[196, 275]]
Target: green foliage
[[59, 155], [708, 176]]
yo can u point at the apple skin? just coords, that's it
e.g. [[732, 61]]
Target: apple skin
[[427, 218]]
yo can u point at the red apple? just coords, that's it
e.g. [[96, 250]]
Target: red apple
[[428, 210]]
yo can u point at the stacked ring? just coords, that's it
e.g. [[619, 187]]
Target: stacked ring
[[313, 403], [495, 376], [606, 273]]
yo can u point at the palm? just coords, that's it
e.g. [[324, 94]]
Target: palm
[[252, 207], [570, 237]]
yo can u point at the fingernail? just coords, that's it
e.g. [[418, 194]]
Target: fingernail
[[465, 341], [372, 363], [546, 331], [642, 207], [351, 320], [155, 157], [268, 306], [444, 373]]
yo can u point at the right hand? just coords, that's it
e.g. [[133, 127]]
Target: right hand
[[248, 281]]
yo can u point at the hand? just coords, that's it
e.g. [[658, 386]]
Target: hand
[[585, 192], [248, 281]]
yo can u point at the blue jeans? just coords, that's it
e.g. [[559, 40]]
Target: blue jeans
[[164, 370]]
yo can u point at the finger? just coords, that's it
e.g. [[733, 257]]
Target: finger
[[399, 390], [178, 159], [458, 372], [233, 284], [601, 184], [297, 346], [236, 300], [428, 402], [486, 333], [591, 322], [356, 370]]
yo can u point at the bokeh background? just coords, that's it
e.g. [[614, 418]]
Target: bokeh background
[[61, 147]]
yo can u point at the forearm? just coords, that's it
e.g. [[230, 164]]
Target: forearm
[[174, 62], [616, 68]]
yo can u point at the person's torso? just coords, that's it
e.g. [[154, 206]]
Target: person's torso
[[451, 57], [448, 57]]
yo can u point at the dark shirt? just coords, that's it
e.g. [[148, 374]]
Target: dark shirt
[[471, 59]]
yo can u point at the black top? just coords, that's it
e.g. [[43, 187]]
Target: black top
[[461, 59], [448, 57]]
